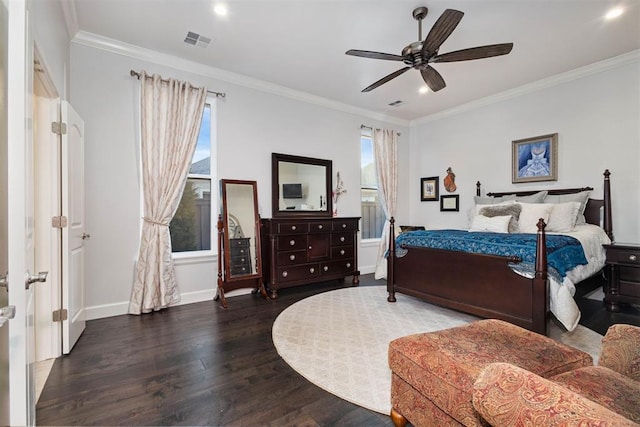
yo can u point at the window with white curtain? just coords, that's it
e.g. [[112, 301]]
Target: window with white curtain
[[193, 226], [372, 213]]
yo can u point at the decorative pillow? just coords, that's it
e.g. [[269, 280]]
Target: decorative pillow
[[475, 210], [487, 200], [581, 197], [502, 210], [563, 217], [496, 224], [538, 197], [531, 213]]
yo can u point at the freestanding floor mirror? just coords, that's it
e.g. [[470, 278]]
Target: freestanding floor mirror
[[239, 259]]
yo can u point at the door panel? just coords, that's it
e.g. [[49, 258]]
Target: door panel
[[75, 234]]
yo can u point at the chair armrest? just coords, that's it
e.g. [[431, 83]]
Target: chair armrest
[[506, 395], [621, 350]]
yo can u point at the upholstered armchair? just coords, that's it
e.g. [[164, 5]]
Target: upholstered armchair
[[603, 395]]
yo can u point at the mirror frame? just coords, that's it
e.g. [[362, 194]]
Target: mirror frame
[[227, 245], [276, 158]]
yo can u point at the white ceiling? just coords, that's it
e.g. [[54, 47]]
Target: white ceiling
[[301, 44]]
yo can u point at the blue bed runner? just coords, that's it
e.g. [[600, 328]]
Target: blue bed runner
[[564, 253]]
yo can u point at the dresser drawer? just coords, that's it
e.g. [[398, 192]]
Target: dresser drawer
[[623, 256], [629, 274], [293, 228], [320, 227], [345, 225], [291, 243], [298, 272], [342, 239], [292, 257], [631, 289], [338, 267], [239, 250], [240, 260], [341, 252], [240, 269]]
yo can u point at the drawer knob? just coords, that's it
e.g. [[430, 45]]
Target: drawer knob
[[632, 257], [241, 251], [285, 274], [292, 257], [344, 225], [326, 268], [342, 239], [320, 227], [341, 251], [348, 265], [310, 247], [312, 270], [293, 228], [292, 242]]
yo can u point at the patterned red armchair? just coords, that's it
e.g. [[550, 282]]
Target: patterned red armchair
[[603, 395]]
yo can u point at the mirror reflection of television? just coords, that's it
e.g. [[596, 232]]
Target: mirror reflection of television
[[292, 191]]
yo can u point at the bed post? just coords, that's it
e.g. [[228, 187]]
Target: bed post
[[391, 256], [478, 189], [608, 220], [540, 303]]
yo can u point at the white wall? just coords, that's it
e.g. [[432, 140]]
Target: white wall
[[597, 118], [252, 124]]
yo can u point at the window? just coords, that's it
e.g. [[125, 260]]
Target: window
[[372, 213], [191, 227]]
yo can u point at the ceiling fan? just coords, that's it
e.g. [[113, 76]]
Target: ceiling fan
[[418, 55]]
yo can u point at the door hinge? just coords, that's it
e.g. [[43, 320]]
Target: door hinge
[[60, 315], [59, 221], [59, 128]]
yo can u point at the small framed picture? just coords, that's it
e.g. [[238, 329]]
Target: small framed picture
[[450, 203], [429, 189], [535, 159]]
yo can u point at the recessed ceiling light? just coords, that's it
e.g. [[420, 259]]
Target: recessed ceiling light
[[423, 89], [614, 13], [220, 9]]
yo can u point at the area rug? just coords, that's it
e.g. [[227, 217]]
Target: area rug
[[339, 339]]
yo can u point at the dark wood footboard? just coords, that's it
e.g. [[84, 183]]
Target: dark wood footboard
[[483, 285]]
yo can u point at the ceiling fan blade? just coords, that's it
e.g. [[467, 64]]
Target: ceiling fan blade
[[385, 79], [475, 53], [441, 30], [374, 55], [432, 78]]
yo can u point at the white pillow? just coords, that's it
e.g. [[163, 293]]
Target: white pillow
[[531, 213], [496, 224], [582, 197], [563, 216]]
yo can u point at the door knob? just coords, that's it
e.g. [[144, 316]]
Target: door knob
[[4, 282], [7, 313], [33, 278], [86, 236]]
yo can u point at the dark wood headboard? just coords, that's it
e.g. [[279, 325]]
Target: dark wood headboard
[[594, 206]]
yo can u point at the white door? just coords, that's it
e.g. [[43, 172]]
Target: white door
[[75, 234], [20, 215], [4, 212]]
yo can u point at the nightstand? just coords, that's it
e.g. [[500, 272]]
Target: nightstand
[[623, 275]]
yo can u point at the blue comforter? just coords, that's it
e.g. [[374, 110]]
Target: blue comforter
[[563, 252]]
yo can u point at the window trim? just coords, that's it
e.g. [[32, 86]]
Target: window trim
[[371, 241]]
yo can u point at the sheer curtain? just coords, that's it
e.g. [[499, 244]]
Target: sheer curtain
[[385, 151], [171, 112]]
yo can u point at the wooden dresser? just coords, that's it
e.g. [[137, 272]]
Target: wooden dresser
[[303, 251], [623, 275]]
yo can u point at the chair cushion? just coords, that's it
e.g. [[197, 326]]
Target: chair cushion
[[443, 365], [602, 385]]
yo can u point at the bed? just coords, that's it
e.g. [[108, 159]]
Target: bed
[[487, 285]]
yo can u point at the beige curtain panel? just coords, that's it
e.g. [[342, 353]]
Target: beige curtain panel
[[385, 151], [171, 113]]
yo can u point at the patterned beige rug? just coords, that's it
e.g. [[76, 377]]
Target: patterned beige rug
[[339, 339]]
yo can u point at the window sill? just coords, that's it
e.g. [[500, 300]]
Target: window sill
[[195, 257]]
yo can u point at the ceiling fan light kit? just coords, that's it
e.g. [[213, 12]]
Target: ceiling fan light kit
[[418, 55]]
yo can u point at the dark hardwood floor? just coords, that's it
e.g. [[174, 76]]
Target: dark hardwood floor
[[199, 364]]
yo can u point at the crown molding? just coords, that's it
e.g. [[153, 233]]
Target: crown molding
[[578, 73], [70, 17], [137, 52]]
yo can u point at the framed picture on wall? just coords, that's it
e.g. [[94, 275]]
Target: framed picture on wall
[[429, 189], [450, 203], [535, 159]]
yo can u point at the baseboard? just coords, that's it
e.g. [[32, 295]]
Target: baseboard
[[120, 308], [367, 269]]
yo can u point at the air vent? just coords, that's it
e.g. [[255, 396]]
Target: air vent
[[396, 103], [196, 39]]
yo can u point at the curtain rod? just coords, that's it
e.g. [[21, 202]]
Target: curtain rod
[[136, 74], [370, 128]]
